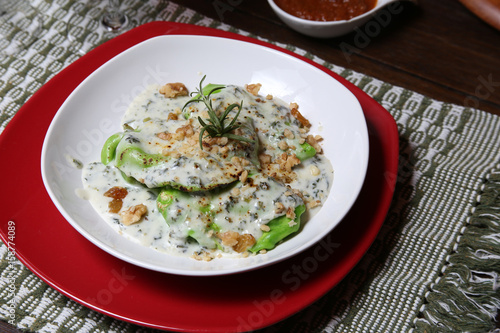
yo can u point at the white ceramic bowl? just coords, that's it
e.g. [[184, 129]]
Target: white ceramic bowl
[[328, 29], [94, 110]]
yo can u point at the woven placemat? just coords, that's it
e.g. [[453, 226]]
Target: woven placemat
[[434, 266]]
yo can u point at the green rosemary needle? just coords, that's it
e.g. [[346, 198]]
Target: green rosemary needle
[[215, 126]]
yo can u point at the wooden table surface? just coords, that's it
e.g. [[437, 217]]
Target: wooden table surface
[[436, 48]]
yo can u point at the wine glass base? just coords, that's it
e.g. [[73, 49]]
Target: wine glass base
[[114, 21], [103, 23]]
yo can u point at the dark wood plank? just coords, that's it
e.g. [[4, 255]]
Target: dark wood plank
[[7, 328]]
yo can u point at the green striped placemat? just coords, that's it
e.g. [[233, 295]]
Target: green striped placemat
[[433, 268]]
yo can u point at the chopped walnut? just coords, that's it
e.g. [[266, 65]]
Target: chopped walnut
[[134, 214], [283, 145], [203, 256], [290, 213], [264, 159], [202, 154], [172, 116], [235, 160], [186, 130], [313, 142], [193, 140], [229, 238], [173, 90], [288, 134], [273, 170], [253, 88], [244, 242], [291, 161], [280, 208], [294, 110], [281, 160], [222, 141], [287, 162], [239, 243], [169, 152], [300, 194], [164, 136], [244, 176], [314, 203], [214, 149]]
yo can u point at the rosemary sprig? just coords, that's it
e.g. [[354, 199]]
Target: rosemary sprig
[[215, 126]]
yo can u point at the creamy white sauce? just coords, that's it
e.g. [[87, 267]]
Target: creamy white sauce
[[240, 207]]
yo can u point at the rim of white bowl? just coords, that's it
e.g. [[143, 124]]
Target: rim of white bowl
[[297, 19]]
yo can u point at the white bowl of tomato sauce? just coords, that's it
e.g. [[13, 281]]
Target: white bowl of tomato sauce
[[328, 18]]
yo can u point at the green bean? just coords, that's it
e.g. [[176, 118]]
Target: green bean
[[135, 156], [279, 229], [305, 151], [108, 151], [169, 196]]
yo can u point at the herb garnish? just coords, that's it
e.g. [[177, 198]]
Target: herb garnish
[[215, 126]]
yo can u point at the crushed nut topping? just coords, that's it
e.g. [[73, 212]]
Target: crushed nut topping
[[173, 90], [133, 214], [253, 88], [288, 134], [290, 213], [244, 242], [279, 208], [239, 243], [313, 142]]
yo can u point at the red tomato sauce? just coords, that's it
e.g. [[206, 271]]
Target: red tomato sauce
[[326, 10]]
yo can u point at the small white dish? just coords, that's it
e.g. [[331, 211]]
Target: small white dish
[[94, 109], [328, 29]]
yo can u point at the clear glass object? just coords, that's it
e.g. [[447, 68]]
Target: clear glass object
[[113, 18], [95, 20], [20, 26]]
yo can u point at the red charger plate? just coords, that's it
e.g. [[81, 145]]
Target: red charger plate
[[47, 244]]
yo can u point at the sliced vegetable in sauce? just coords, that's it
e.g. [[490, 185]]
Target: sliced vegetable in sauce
[[305, 151], [224, 209], [108, 151], [280, 228]]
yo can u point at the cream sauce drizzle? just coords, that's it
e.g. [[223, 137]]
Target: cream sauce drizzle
[[254, 204]]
